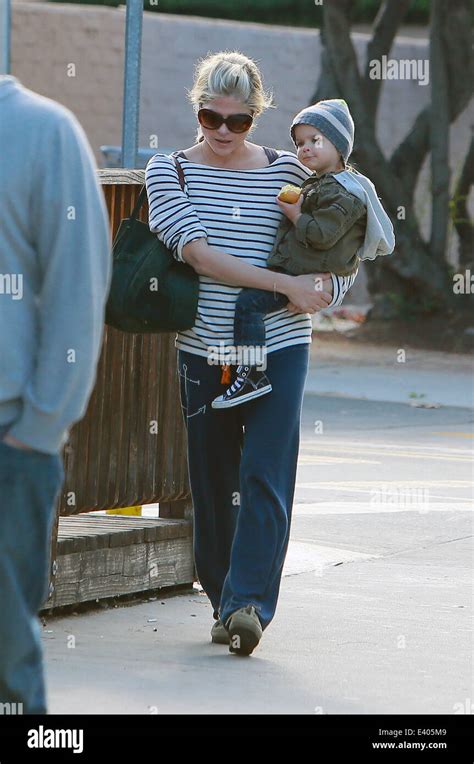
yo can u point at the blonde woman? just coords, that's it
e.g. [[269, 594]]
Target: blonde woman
[[242, 461]]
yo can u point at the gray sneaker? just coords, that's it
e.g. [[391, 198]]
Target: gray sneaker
[[245, 630], [219, 633]]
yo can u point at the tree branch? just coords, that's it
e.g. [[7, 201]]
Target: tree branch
[[395, 180], [408, 157], [456, 32], [386, 24], [344, 63], [439, 133], [460, 212], [327, 85]]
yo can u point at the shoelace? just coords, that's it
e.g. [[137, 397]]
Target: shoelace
[[235, 385], [238, 382]]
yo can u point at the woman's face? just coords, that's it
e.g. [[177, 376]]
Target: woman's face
[[222, 141]]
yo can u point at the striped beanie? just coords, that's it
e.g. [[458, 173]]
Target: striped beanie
[[333, 118]]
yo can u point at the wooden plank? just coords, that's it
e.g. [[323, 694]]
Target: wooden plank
[[79, 533], [96, 574], [176, 509], [112, 175], [135, 533]]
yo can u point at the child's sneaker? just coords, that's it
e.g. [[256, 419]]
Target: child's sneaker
[[250, 383]]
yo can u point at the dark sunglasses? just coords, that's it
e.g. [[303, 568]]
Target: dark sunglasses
[[236, 123]]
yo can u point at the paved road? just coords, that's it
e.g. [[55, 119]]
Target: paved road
[[376, 599]]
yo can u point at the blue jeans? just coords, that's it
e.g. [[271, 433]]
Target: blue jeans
[[250, 309], [29, 485], [242, 480]]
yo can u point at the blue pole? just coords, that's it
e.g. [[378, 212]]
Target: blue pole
[[131, 93], [5, 27]]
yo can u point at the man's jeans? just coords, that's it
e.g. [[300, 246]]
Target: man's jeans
[[29, 485]]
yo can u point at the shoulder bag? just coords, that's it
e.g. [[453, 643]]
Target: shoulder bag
[[150, 290]]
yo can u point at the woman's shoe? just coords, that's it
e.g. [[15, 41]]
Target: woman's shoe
[[219, 633], [245, 630]]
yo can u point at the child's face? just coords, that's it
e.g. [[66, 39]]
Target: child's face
[[316, 151]]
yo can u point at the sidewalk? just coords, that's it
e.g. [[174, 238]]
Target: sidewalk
[[374, 614], [348, 369]]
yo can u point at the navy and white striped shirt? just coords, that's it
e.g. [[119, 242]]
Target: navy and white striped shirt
[[237, 212]]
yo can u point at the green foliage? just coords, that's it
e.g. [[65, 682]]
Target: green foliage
[[287, 12], [410, 310], [366, 10], [454, 212], [113, 3], [401, 307]]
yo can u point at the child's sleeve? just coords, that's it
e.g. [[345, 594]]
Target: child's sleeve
[[332, 215], [170, 213]]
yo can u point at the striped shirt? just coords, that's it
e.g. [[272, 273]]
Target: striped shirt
[[237, 212]]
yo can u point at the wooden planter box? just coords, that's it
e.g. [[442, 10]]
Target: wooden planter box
[[129, 448]]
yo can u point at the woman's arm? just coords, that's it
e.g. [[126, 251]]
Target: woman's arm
[[302, 291], [175, 221], [211, 262]]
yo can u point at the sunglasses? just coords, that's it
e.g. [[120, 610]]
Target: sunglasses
[[236, 123]]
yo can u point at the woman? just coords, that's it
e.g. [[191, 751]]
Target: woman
[[242, 461]]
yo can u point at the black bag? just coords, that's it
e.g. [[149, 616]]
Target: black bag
[[150, 290]]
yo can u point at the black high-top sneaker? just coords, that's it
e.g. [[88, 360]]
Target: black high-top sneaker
[[250, 383]]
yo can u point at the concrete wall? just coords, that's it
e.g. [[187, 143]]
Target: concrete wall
[[48, 37]]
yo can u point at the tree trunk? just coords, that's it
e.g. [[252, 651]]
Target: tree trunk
[[439, 133], [417, 274], [460, 213]]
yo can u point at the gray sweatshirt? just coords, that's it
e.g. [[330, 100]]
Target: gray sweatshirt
[[55, 267], [379, 236]]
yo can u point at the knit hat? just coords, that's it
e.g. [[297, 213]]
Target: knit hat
[[333, 118]]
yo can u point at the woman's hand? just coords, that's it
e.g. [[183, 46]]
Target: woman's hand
[[292, 211], [309, 293]]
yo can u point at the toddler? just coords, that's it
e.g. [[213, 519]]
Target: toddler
[[337, 221]]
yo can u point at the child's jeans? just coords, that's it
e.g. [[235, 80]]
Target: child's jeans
[[250, 309]]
